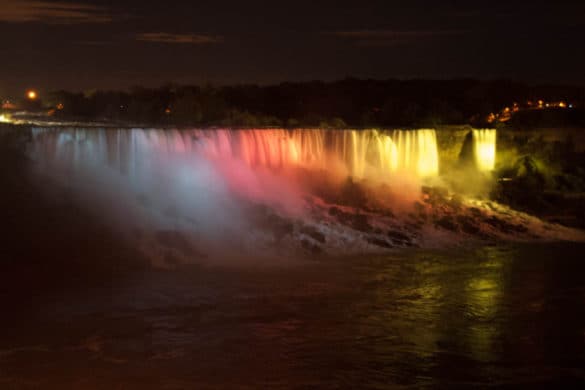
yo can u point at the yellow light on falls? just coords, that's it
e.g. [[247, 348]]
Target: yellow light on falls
[[484, 146]]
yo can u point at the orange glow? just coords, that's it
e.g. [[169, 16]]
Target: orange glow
[[60, 106], [8, 105], [368, 154], [31, 95], [562, 104]]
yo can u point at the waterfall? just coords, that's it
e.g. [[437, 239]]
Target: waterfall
[[484, 149], [368, 154]]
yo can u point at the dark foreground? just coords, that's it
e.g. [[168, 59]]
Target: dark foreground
[[82, 310], [495, 315]]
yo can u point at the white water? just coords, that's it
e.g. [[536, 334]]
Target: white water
[[201, 183], [484, 148], [368, 154]]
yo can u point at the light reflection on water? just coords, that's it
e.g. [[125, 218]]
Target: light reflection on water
[[494, 315]]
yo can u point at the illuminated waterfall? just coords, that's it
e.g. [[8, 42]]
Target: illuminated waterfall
[[367, 154], [484, 149], [417, 151]]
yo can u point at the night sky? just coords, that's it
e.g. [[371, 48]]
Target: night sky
[[115, 44]]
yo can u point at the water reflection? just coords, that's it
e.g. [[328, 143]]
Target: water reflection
[[485, 292], [488, 316]]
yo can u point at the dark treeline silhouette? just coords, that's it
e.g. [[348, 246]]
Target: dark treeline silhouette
[[349, 102]]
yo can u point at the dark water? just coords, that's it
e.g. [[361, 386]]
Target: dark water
[[507, 315], [80, 310]]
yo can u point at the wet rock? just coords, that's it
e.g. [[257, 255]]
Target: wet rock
[[379, 242], [504, 226], [356, 221], [475, 211], [280, 227], [267, 220], [387, 213], [399, 238], [434, 195], [447, 222], [353, 194], [468, 224], [360, 222], [311, 247], [521, 228], [456, 202], [414, 226], [397, 235], [313, 233], [420, 210], [333, 211]]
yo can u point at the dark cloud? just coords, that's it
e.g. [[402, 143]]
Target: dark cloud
[[392, 37], [86, 44], [193, 39], [27, 11]]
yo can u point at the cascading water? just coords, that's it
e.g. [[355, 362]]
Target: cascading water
[[184, 194], [205, 184], [370, 154], [484, 149]]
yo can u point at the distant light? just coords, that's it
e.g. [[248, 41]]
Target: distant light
[[4, 118], [562, 105], [168, 111], [570, 106], [8, 105], [31, 95], [60, 106]]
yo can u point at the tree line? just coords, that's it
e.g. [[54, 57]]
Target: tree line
[[345, 103]]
